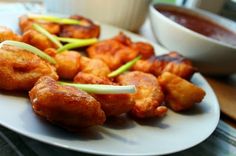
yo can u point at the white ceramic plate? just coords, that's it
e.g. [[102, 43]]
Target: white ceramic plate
[[120, 136]]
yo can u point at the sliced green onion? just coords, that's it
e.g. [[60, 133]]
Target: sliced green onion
[[29, 48], [124, 68], [102, 89], [55, 19], [77, 44], [47, 34], [65, 39]]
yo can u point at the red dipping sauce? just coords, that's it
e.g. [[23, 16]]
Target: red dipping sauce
[[200, 25]]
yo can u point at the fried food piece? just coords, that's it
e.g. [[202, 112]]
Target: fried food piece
[[68, 64], [65, 106], [7, 34], [88, 30], [173, 63], [148, 97], [113, 53], [115, 104], [144, 49], [25, 24], [21, 69], [123, 39], [180, 94], [37, 39], [51, 52], [142, 65], [94, 66], [92, 71], [95, 71]]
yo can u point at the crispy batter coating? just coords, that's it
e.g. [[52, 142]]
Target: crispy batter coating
[[38, 40], [148, 97], [144, 49], [92, 71], [112, 52], [95, 71], [65, 106], [171, 62], [7, 34], [68, 64], [115, 104], [123, 39], [180, 94], [142, 65], [88, 30], [25, 24], [20, 69]]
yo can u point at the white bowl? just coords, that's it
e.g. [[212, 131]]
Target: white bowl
[[210, 56], [127, 14]]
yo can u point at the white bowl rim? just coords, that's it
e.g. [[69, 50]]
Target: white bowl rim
[[196, 12]]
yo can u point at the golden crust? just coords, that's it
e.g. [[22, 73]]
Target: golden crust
[[21, 69], [38, 40], [25, 24], [65, 106], [68, 64], [148, 97], [180, 94], [90, 30], [7, 34]]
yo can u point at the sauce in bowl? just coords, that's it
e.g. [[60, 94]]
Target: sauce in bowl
[[200, 25]]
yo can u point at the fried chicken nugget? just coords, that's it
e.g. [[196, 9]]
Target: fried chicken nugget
[[7, 34], [88, 30], [37, 39], [174, 63], [113, 53], [20, 69], [65, 106], [68, 64], [25, 24], [148, 97], [171, 62], [92, 71], [180, 94], [95, 71]]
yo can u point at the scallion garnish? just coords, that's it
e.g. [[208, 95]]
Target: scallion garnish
[[55, 19], [47, 34], [124, 67], [29, 48], [102, 89], [70, 40], [77, 44]]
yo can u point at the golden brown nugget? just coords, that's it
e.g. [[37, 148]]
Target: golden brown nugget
[[68, 64], [148, 97], [25, 24], [113, 53], [20, 69], [7, 34], [88, 30], [180, 94], [37, 39], [65, 106]]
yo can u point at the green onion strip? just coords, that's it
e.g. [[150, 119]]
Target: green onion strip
[[124, 67], [77, 44], [29, 48], [47, 34], [55, 19], [102, 89]]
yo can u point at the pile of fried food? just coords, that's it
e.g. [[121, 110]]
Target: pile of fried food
[[161, 82]]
